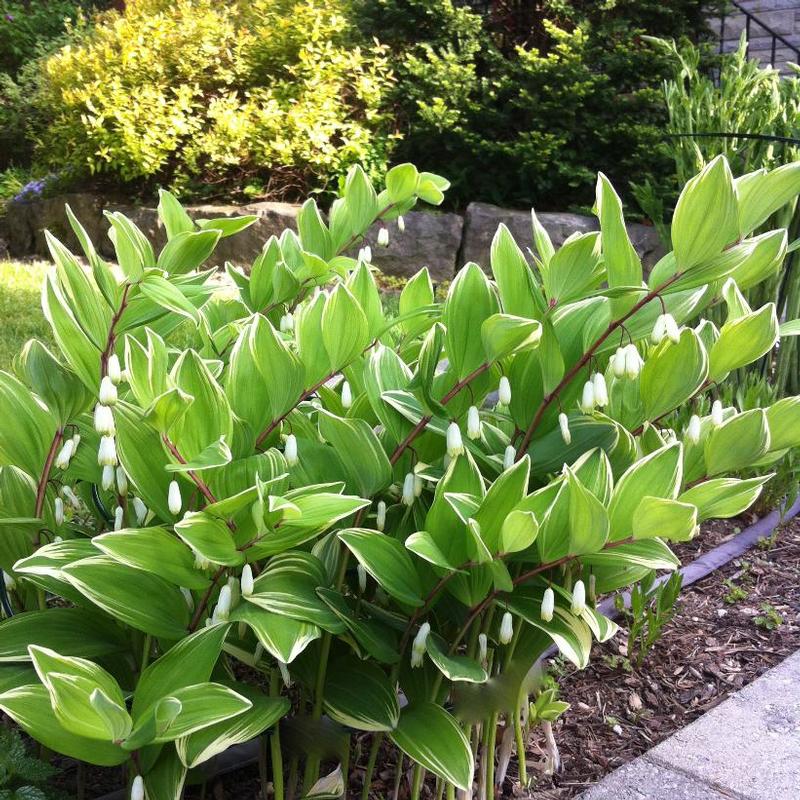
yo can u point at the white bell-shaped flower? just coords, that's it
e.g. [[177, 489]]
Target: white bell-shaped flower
[[401, 223], [563, 423], [108, 392], [455, 445], [600, 390], [504, 391], [578, 597], [618, 363], [137, 788], [58, 511], [483, 647], [104, 420], [365, 254], [107, 452], [408, 489], [506, 628], [65, 454], [119, 518], [76, 440], [509, 457], [659, 329], [174, 499], [587, 398], [548, 604], [362, 578], [113, 369], [140, 510], [473, 423], [290, 450], [716, 413], [419, 485], [380, 517], [693, 430], [633, 362], [107, 478], [347, 395], [223, 607], [122, 482], [287, 323], [246, 583], [419, 644], [383, 237]]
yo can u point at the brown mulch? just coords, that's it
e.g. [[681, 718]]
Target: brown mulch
[[711, 649]]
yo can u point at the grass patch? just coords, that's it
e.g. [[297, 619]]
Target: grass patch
[[21, 316]]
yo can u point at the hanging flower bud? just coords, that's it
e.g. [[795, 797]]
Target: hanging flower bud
[[671, 329], [419, 643], [383, 237], [174, 500], [76, 440], [137, 788], [108, 392], [408, 489], [64, 454], [223, 607], [506, 628], [365, 254], [618, 363], [119, 518], [419, 485], [247, 581], [509, 457], [693, 430], [233, 585], [287, 323], [58, 511], [140, 510], [380, 518], [347, 395], [200, 561], [71, 496], [716, 413], [57, 540], [659, 329], [633, 362], [107, 478], [122, 482], [563, 423], [548, 604], [455, 446], [600, 390], [290, 450], [107, 452], [401, 223], [187, 596], [473, 423], [504, 391], [362, 578], [578, 597], [113, 369], [104, 420], [483, 647], [587, 398]]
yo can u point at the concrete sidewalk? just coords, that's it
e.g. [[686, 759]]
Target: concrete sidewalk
[[746, 748]]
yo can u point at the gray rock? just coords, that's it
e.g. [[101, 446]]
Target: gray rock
[[430, 240], [482, 220]]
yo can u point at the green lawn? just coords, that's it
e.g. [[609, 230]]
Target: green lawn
[[21, 315]]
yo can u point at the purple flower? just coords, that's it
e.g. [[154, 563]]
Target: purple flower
[[10, 17]]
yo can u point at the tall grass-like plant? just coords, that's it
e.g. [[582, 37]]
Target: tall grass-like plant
[[740, 96], [316, 510]]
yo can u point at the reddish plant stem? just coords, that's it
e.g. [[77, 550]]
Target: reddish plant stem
[[423, 423], [198, 481], [548, 399], [44, 478], [112, 337], [203, 604]]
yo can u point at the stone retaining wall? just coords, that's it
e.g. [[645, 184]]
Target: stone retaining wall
[[440, 241]]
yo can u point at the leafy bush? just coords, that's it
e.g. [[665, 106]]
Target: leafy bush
[[22, 777], [314, 493], [539, 96], [272, 91]]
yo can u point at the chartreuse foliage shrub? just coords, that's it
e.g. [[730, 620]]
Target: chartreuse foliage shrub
[[189, 90], [334, 498]]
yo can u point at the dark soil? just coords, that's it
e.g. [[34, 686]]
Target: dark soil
[[717, 643]]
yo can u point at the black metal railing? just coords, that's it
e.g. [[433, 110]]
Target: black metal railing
[[751, 20]]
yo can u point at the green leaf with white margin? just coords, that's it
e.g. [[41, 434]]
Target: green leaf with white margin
[[345, 331], [190, 661], [168, 296], [623, 265], [423, 545], [454, 667], [790, 328], [514, 278], [783, 419], [658, 474], [519, 531], [667, 519], [359, 695], [165, 780], [227, 226], [217, 454], [762, 193], [705, 219], [173, 214], [387, 561], [672, 374], [186, 251], [427, 734], [210, 537], [588, 518], [743, 340], [504, 335], [215, 739], [722, 498], [283, 638], [30, 708], [739, 442], [356, 444], [140, 599], [646, 553], [401, 183]]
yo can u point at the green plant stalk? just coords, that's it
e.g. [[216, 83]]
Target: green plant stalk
[[275, 742], [146, 646], [398, 775], [523, 770], [450, 791], [263, 749], [417, 778], [491, 744], [371, 761]]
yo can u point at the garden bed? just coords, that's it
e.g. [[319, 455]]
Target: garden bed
[[712, 648]]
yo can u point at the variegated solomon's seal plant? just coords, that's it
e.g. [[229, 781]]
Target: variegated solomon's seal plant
[[276, 509]]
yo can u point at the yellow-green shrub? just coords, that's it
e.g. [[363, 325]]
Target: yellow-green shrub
[[176, 90]]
